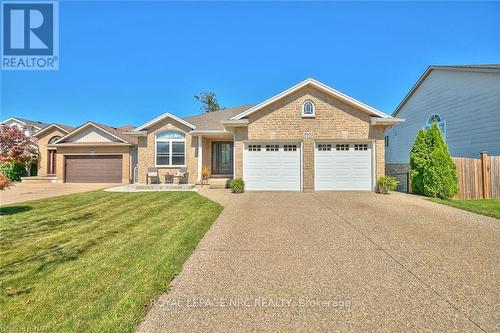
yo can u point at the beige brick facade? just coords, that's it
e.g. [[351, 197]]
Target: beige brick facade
[[43, 153], [334, 120], [146, 151], [94, 150], [63, 151]]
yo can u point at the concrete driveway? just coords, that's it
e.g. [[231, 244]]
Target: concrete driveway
[[20, 192], [337, 262]]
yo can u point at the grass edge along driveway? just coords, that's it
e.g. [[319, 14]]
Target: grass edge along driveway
[[488, 207], [91, 262]]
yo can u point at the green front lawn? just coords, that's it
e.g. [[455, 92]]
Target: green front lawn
[[490, 207], [91, 262]]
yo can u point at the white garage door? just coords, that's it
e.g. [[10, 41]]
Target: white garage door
[[271, 166], [343, 166]]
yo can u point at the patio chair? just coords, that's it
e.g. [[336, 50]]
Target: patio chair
[[182, 174], [153, 174]]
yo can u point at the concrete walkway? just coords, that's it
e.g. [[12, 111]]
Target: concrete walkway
[[337, 262], [20, 192]]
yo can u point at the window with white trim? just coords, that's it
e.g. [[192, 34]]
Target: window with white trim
[[435, 118], [290, 147], [170, 149], [342, 147], [324, 147], [308, 109], [54, 139], [272, 147], [254, 147]]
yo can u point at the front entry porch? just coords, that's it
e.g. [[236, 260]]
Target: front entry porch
[[217, 158]]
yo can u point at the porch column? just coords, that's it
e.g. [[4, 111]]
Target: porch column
[[200, 156]]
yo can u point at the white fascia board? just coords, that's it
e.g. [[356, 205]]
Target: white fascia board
[[236, 122], [19, 121], [90, 144], [208, 132], [318, 85], [161, 117], [14, 119], [49, 127], [386, 121], [138, 133], [82, 127]]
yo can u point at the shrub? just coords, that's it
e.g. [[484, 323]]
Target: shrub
[[13, 170], [4, 182], [419, 157], [387, 184], [440, 178], [237, 185], [433, 172]]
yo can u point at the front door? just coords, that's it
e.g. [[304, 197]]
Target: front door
[[51, 162], [222, 158]]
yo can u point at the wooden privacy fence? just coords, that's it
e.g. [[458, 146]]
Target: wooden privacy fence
[[478, 178]]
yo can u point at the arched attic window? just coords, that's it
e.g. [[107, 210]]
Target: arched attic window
[[435, 118], [308, 109]]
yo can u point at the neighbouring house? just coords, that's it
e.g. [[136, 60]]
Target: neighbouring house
[[308, 137], [29, 127], [464, 101], [90, 153]]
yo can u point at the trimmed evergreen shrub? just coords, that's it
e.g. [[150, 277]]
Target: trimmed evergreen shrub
[[237, 185], [440, 177], [419, 157], [433, 172], [13, 170], [387, 184]]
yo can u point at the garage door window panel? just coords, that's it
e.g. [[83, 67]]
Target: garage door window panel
[[361, 146], [272, 147], [170, 149]]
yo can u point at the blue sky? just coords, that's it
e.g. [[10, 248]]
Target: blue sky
[[127, 62]]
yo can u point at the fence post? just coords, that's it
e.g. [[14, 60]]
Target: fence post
[[485, 175]]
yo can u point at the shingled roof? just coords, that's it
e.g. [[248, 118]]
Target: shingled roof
[[29, 122], [212, 121]]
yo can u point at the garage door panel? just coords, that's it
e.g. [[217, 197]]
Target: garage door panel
[[271, 170], [93, 169], [343, 170]]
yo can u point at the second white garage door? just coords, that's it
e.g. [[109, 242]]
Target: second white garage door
[[343, 166], [271, 166]]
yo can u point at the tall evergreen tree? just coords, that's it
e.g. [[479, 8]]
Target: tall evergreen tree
[[419, 157], [440, 174]]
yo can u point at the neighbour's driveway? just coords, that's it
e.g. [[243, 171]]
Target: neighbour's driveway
[[286, 262], [20, 192]]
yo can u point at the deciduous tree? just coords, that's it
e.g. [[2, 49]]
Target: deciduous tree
[[17, 147], [208, 102]]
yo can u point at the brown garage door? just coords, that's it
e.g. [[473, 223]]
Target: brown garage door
[[94, 169]]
